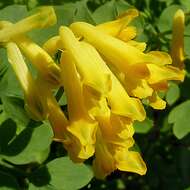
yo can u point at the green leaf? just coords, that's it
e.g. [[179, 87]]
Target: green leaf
[[172, 94], [82, 13], [45, 187], [113, 9], [122, 6], [8, 182], [8, 81], [144, 126], [32, 4], [180, 117], [105, 12], [62, 174], [165, 126], [31, 145], [19, 11], [185, 3], [10, 104], [166, 18]]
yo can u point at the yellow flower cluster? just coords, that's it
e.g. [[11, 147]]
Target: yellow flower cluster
[[105, 74]]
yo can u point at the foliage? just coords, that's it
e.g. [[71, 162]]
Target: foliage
[[29, 159]]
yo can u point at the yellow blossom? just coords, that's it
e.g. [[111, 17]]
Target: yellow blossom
[[45, 17], [118, 28], [115, 130], [38, 57], [177, 45], [118, 99], [81, 126], [35, 104], [136, 70], [90, 72]]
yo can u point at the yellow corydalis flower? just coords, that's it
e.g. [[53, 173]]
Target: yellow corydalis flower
[[35, 104], [38, 57], [114, 115], [177, 45], [87, 66], [135, 69], [45, 17], [118, 99], [119, 27], [82, 127], [125, 58]]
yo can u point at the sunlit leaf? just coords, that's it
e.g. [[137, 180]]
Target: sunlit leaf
[[180, 117]]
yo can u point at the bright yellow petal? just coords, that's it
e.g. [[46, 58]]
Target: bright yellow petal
[[104, 163], [34, 102], [82, 128], [159, 58], [118, 99], [122, 104], [139, 45], [137, 87], [130, 161], [114, 50], [156, 102], [57, 119], [177, 46], [85, 132], [52, 45], [116, 27], [162, 73], [127, 34], [87, 66]]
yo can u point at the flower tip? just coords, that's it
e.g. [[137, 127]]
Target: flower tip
[[47, 14], [179, 13], [130, 12]]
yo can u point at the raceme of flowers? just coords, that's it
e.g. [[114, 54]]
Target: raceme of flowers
[[105, 73]]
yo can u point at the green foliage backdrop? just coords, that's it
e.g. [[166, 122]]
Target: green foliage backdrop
[[28, 157]]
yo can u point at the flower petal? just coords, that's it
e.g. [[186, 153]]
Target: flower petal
[[177, 46], [162, 73], [87, 66], [44, 18]]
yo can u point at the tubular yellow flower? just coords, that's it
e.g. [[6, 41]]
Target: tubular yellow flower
[[117, 97], [119, 27], [113, 140], [177, 45], [44, 18], [124, 56], [57, 119], [81, 126], [162, 73], [38, 57], [156, 102], [136, 70], [52, 45], [116, 28], [35, 103], [87, 66]]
